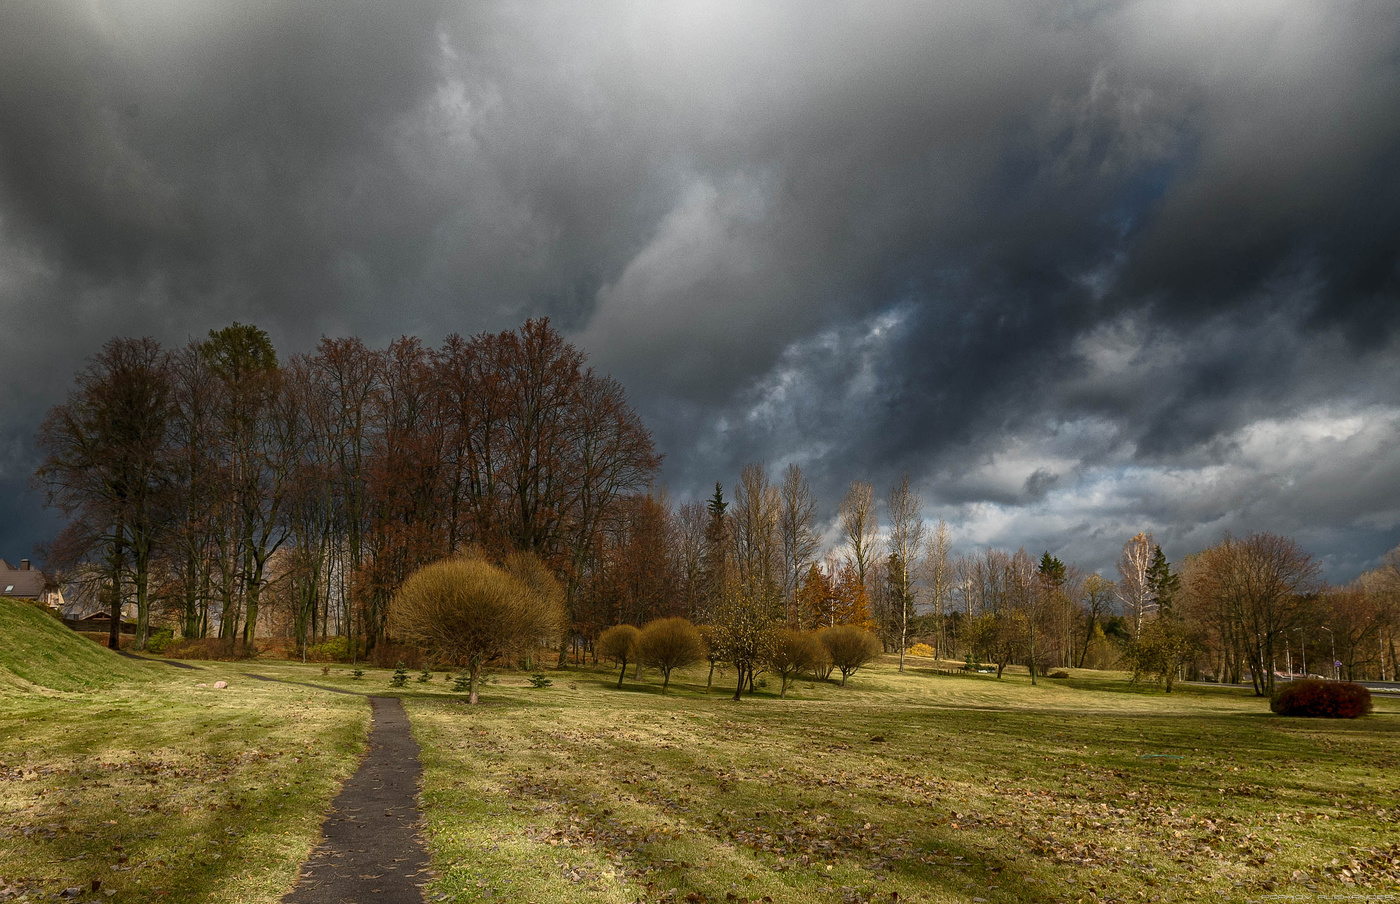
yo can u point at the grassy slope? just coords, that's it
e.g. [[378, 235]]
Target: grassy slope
[[975, 788], [152, 786], [39, 653]]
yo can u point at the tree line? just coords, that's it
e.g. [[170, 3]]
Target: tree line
[[219, 488], [204, 482]]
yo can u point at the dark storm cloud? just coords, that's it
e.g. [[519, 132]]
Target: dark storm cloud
[[1069, 265]]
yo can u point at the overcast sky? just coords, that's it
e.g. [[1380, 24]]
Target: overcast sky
[[1081, 269]]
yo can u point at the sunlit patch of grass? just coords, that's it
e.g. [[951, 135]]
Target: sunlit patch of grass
[[928, 788], [161, 790]]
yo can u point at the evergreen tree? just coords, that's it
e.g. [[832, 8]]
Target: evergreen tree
[[1052, 570], [1162, 583], [715, 570]]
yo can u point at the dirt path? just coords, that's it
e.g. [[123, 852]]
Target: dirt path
[[371, 851]]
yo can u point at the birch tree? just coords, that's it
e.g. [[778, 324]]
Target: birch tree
[[906, 544], [1134, 586]]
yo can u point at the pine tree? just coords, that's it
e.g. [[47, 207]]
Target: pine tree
[[1162, 583]]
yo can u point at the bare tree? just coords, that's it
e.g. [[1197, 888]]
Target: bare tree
[[757, 542], [860, 528], [689, 530], [906, 545], [1134, 588], [797, 524], [939, 577], [1255, 591], [1097, 592], [105, 460]]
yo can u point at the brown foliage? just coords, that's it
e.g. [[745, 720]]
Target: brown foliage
[[794, 652], [467, 611], [670, 643], [619, 643], [1321, 699], [849, 647]]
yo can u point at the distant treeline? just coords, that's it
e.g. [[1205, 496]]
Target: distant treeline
[[231, 495]]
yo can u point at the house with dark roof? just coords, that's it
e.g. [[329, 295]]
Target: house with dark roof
[[29, 583]]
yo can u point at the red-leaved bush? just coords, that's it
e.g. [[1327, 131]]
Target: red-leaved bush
[[1321, 699]]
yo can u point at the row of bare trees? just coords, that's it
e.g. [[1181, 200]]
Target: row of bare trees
[[217, 485], [204, 478]]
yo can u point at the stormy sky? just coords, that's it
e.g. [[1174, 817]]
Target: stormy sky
[[1081, 269]]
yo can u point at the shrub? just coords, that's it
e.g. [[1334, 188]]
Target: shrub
[[400, 676], [793, 652], [540, 680], [1058, 673], [467, 611], [425, 676], [207, 648], [332, 649], [160, 640], [920, 649], [667, 644], [849, 647], [357, 674], [619, 643], [1321, 699]]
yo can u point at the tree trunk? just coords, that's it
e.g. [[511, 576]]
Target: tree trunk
[[474, 679], [622, 674], [739, 684]]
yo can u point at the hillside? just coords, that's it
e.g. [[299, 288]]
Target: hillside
[[38, 653]]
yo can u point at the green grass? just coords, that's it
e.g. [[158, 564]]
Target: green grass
[[934, 788], [927, 787], [153, 787], [38, 654]]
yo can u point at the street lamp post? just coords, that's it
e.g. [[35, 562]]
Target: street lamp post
[[1335, 674], [1303, 640]]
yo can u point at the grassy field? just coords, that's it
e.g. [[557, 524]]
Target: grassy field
[[126, 781], [913, 787], [903, 787]]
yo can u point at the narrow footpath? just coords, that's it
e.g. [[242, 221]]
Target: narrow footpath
[[372, 851]]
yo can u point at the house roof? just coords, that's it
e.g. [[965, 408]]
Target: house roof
[[21, 583]]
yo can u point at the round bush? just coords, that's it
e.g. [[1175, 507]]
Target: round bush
[[1321, 699]]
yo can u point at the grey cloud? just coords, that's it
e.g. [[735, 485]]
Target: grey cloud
[[977, 242]]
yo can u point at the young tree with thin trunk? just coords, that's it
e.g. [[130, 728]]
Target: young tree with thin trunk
[[939, 579], [860, 528], [849, 647], [906, 546], [667, 644], [1098, 591], [1134, 587], [757, 541], [792, 653], [797, 524], [620, 645], [742, 630]]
